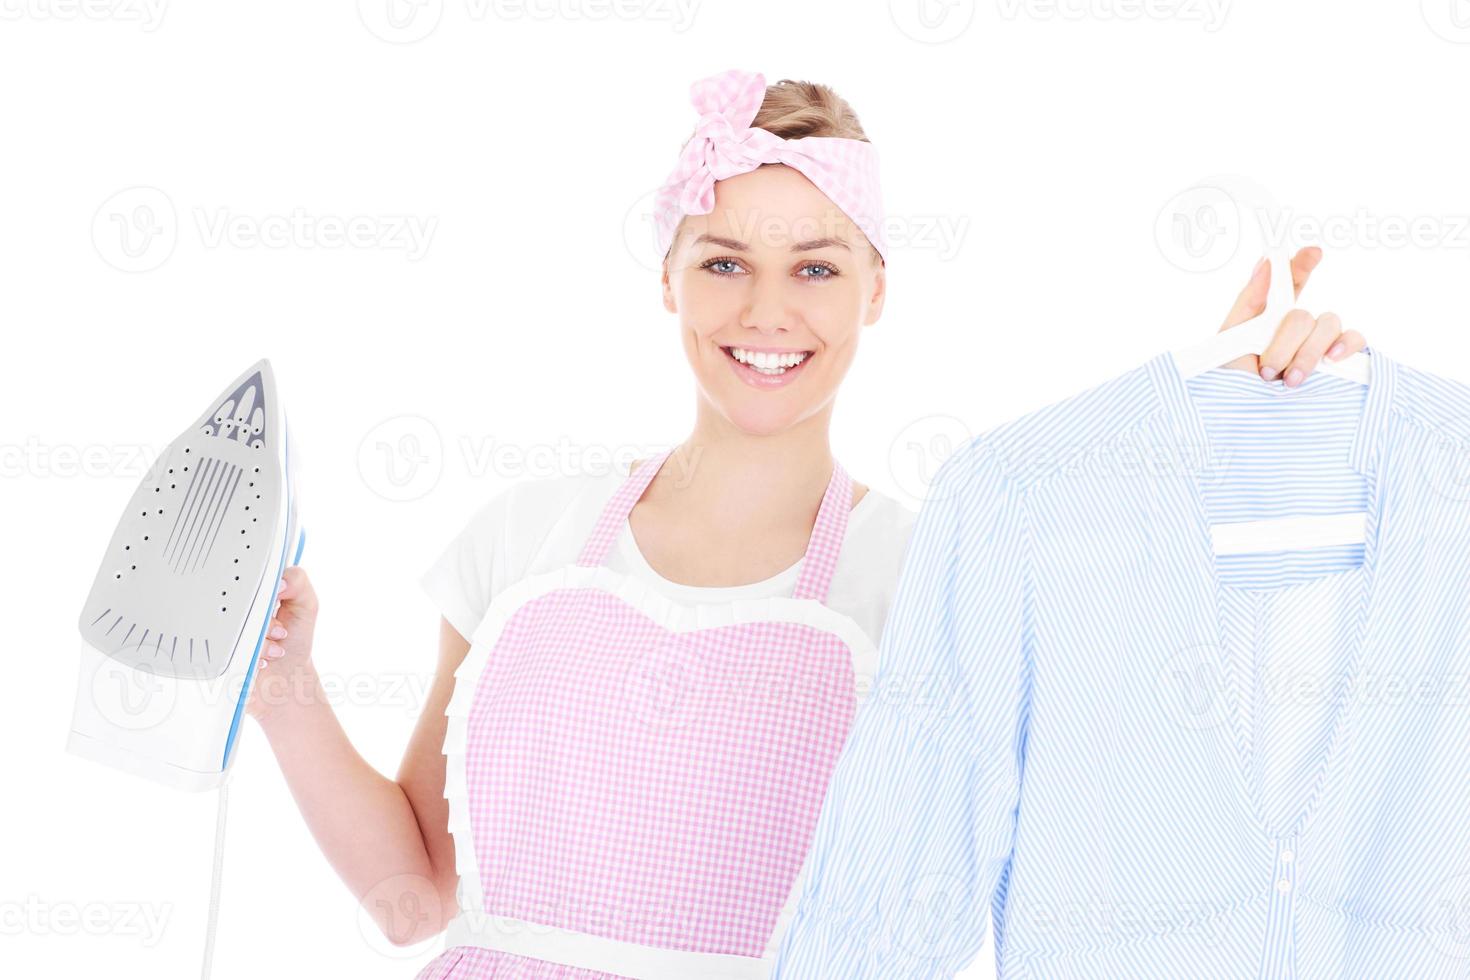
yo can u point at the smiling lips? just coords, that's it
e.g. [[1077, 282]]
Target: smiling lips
[[766, 368]]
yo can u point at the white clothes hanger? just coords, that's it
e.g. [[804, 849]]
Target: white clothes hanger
[[1253, 337]]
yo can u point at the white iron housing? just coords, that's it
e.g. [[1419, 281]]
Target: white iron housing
[[174, 624]]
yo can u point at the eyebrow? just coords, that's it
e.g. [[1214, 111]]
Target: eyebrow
[[739, 246]]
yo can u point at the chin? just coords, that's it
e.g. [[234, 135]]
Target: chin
[[766, 404], [760, 426], [755, 419]]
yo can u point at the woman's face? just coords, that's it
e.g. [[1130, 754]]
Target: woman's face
[[772, 289]]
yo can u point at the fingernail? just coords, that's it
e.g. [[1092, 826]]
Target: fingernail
[[283, 586], [1335, 351], [278, 633], [1259, 266], [1294, 377], [1268, 372]]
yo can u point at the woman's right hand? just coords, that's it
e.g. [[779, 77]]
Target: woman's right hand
[[287, 645], [1301, 340]]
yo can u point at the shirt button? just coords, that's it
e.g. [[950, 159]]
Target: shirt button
[[1287, 856], [1284, 885]]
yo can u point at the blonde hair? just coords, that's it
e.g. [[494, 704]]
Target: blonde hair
[[792, 109]]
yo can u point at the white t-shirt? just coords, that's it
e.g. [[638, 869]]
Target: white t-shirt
[[539, 525]]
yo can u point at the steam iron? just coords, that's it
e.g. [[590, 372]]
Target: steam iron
[[173, 626]]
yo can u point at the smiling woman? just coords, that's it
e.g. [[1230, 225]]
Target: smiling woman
[[646, 675], [774, 248], [742, 564]]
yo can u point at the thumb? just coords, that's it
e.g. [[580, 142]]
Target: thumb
[[297, 600], [1252, 299]]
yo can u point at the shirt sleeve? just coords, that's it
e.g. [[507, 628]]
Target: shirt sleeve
[[472, 567], [920, 816]]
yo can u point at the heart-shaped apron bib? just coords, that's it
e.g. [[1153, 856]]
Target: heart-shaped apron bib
[[633, 781]]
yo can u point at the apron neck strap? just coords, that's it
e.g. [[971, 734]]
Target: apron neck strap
[[827, 536], [610, 524], [822, 549]]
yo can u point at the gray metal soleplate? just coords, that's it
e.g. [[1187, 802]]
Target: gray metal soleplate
[[175, 586]]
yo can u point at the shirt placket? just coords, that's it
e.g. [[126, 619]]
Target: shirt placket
[[1279, 957]]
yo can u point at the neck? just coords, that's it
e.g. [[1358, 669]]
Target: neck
[[749, 480]]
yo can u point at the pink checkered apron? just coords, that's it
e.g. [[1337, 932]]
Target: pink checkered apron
[[634, 781]]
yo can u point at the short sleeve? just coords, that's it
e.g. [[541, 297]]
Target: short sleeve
[[472, 567], [919, 821]]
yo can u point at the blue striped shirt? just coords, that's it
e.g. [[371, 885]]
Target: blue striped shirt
[[1067, 733]]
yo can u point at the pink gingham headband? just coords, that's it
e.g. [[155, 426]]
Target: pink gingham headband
[[724, 144]]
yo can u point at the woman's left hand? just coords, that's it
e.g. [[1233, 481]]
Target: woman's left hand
[[1301, 340]]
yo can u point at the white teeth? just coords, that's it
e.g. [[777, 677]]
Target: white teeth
[[769, 363]]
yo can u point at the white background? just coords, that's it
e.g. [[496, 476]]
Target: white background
[[173, 174]]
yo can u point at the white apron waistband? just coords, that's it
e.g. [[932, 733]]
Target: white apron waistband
[[588, 952]]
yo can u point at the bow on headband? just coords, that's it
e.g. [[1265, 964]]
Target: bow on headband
[[724, 144]]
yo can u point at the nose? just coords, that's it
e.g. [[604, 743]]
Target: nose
[[767, 310]]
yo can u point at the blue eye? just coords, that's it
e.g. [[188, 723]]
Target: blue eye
[[719, 266], [710, 265]]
